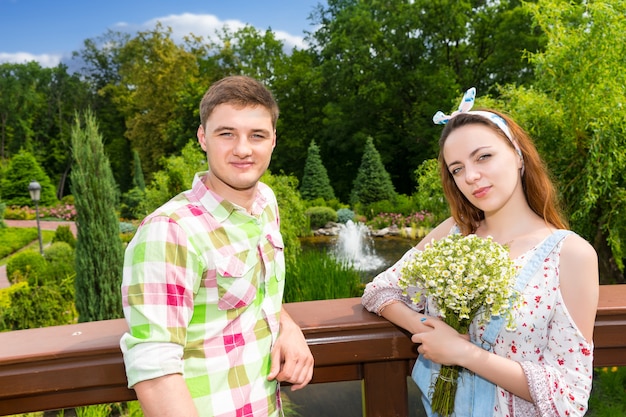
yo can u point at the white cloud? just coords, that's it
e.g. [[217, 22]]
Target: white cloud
[[45, 60], [203, 25]]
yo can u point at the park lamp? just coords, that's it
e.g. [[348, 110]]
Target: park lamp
[[35, 191], [35, 194]]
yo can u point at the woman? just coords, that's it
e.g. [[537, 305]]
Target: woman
[[497, 185]]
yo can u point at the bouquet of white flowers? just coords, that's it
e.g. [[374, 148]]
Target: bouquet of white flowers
[[465, 277]]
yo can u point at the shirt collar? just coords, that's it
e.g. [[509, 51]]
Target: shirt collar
[[220, 208]]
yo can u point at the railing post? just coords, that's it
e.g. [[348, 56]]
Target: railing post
[[385, 393]]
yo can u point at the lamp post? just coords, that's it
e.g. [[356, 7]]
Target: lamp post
[[35, 194]]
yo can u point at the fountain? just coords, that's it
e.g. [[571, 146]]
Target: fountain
[[355, 247]]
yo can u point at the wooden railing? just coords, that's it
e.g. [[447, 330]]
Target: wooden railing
[[75, 365]]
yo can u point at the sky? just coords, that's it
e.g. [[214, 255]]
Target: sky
[[48, 31]]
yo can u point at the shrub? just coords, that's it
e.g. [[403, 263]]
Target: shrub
[[131, 205], [293, 221], [320, 216], [373, 209], [335, 204], [383, 220], [19, 213], [127, 232], [39, 307], [59, 264], [344, 214], [126, 227], [68, 200], [5, 296], [315, 202], [25, 266], [406, 205], [64, 234], [429, 195]]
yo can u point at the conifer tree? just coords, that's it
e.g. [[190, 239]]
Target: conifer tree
[[24, 168], [372, 182], [138, 179], [99, 250], [315, 181]]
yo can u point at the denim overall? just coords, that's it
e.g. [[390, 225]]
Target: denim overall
[[475, 396]]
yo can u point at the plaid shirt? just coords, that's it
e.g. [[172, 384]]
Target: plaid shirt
[[202, 291]]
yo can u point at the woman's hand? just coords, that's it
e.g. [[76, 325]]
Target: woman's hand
[[441, 344]]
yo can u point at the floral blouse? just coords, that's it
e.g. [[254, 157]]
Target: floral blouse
[[556, 358]]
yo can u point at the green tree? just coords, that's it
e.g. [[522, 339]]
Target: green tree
[[175, 177], [315, 182], [21, 102], [138, 179], [36, 109], [132, 200], [382, 69], [372, 181], [573, 111], [246, 51], [64, 93], [22, 169], [100, 60], [154, 74], [297, 87], [99, 251], [429, 195]]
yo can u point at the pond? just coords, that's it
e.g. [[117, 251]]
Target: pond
[[369, 255]]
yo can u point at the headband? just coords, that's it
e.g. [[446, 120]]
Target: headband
[[466, 104]]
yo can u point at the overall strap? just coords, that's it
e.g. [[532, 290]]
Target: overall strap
[[528, 270]]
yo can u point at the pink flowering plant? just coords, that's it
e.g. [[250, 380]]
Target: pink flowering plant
[[61, 211], [382, 220], [465, 277]]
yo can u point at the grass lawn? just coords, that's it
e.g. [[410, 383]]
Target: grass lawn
[[13, 237]]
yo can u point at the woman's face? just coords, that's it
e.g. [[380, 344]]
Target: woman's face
[[485, 167]]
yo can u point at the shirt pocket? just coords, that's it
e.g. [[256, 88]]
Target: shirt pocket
[[275, 252], [236, 282]]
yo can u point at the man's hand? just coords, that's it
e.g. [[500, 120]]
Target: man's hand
[[291, 357]]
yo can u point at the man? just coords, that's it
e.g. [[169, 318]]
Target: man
[[204, 277]]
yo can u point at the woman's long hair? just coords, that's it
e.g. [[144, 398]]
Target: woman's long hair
[[538, 188]]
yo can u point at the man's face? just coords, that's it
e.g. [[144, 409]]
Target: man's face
[[239, 142]]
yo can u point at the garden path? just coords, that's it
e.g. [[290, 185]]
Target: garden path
[[45, 225]]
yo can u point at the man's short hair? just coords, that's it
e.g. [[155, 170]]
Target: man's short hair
[[239, 91]]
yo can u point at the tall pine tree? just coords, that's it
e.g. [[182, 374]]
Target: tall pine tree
[[138, 179], [99, 250], [315, 182], [372, 182]]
